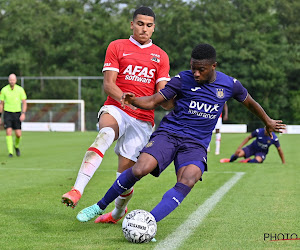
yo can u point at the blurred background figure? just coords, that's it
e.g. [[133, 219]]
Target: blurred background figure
[[13, 102]]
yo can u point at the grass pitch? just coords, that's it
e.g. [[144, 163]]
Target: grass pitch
[[264, 201]]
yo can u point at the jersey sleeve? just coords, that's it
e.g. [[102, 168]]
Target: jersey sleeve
[[111, 61], [172, 88], [163, 73], [239, 91], [255, 133], [276, 141]]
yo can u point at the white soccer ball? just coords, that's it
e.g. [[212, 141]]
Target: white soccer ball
[[139, 226]]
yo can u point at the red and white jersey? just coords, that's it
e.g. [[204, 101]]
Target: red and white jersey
[[140, 68]]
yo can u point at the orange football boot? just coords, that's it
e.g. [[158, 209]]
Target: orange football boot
[[245, 160], [71, 198], [224, 160], [107, 218]]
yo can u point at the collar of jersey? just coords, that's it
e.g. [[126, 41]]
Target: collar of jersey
[[138, 44]]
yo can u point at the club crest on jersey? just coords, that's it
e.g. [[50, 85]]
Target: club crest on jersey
[[155, 59], [220, 93], [149, 144]]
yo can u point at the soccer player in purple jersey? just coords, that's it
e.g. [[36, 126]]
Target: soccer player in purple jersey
[[184, 134], [259, 147]]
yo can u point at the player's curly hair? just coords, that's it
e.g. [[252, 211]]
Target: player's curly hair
[[146, 11], [204, 51]]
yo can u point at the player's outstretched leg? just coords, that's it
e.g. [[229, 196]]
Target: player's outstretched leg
[[233, 158], [170, 200], [120, 208], [89, 213], [124, 182], [91, 161]]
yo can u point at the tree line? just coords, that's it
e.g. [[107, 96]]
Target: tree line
[[257, 42]]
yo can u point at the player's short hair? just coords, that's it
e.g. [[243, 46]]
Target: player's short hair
[[204, 51], [146, 11]]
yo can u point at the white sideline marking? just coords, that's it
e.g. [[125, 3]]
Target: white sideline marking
[[175, 239]]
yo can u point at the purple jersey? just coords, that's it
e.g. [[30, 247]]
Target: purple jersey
[[263, 142], [198, 106]]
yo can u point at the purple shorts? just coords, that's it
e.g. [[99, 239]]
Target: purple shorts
[[249, 151], [167, 147]]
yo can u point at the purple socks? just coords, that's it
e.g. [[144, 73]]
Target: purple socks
[[171, 199], [233, 158], [125, 181]]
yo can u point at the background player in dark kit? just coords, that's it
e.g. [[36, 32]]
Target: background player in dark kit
[[259, 147]]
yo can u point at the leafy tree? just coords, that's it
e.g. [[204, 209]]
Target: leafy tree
[[257, 42], [249, 46]]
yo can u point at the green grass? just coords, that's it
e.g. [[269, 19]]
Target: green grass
[[265, 200]]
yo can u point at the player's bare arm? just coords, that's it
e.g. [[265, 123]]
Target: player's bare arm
[[144, 102], [244, 142], [167, 104], [255, 108], [280, 152], [225, 113], [110, 86], [24, 109]]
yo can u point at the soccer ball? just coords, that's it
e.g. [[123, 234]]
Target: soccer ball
[[139, 226]]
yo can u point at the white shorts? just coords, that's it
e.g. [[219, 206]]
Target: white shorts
[[133, 133], [219, 123]]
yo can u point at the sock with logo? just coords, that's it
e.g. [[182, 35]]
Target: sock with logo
[[233, 158], [10, 144], [170, 200], [124, 182], [253, 161], [121, 202]]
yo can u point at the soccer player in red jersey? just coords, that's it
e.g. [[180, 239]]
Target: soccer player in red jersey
[[133, 65], [185, 133]]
